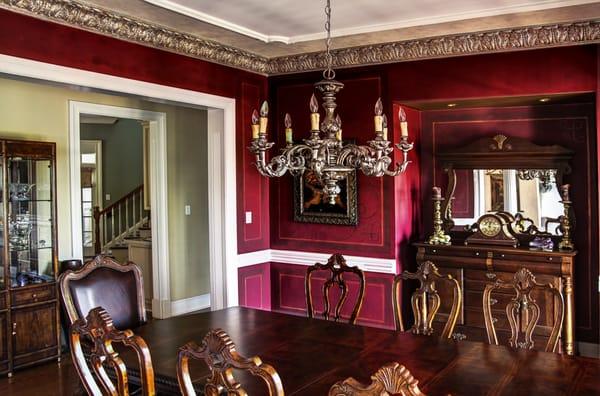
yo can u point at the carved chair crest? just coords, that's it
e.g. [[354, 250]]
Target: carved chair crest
[[337, 266], [391, 379], [219, 353], [522, 311], [98, 327], [425, 300]]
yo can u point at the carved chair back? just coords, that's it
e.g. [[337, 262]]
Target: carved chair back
[[391, 379], [425, 300], [337, 267], [522, 311], [218, 352], [103, 282], [99, 328]]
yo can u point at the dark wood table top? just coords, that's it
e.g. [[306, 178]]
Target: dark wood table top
[[311, 355]]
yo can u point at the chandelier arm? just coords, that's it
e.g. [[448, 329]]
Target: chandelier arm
[[291, 159]]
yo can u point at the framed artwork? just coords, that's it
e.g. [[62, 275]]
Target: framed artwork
[[310, 205]]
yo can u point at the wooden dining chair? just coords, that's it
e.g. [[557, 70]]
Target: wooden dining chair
[[99, 328], [391, 379], [218, 352], [425, 300], [104, 282], [522, 311], [337, 267]]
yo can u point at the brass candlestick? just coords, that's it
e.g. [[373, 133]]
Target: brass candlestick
[[565, 222], [438, 237]]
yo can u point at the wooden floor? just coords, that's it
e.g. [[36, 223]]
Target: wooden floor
[[49, 379]]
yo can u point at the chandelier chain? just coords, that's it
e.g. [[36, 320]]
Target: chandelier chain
[[328, 73]]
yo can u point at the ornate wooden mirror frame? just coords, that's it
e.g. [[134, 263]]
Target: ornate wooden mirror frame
[[499, 152]]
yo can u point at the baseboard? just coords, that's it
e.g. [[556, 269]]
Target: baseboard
[[188, 305], [588, 349], [369, 264]]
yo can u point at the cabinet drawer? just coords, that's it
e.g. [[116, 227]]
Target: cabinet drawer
[[488, 276], [474, 317], [32, 295], [475, 299]]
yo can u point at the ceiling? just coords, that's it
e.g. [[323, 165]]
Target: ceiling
[[290, 27], [293, 21]]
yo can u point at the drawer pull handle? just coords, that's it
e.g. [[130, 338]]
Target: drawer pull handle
[[459, 336], [14, 327], [34, 295], [490, 275], [494, 320], [493, 301], [476, 253]]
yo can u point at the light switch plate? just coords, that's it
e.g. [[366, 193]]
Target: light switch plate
[[107, 197], [248, 217], [188, 210]]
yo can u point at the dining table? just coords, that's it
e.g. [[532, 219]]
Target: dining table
[[311, 355]]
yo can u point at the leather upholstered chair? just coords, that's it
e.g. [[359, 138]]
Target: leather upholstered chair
[[103, 282]]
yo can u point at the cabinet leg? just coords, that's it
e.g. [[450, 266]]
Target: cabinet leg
[[569, 327]]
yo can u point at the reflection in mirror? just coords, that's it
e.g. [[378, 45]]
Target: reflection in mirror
[[532, 193]]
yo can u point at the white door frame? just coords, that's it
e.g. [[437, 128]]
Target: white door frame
[[158, 196], [221, 178]]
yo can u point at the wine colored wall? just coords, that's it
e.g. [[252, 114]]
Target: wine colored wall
[[43, 41], [394, 212]]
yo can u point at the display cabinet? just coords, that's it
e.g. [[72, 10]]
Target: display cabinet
[[29, 321]]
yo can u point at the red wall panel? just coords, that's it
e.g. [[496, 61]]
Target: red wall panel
[[44, 41], [254, 286], [289, 295], [374, 235]]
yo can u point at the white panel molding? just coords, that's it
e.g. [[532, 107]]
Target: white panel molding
[[189, 305], [369, 264]]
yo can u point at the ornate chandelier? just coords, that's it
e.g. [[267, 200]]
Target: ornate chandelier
[[323, 152]]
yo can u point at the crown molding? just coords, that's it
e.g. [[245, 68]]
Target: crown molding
[[106, 22], [109, 23]]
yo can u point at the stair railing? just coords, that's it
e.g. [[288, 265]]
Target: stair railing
[[116, 220]]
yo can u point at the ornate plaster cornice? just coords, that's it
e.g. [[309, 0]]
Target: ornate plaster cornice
[[122, 27], [445, 46]]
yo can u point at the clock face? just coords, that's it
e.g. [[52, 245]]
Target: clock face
[[490, 226]]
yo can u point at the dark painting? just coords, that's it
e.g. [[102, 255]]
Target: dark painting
[[310, 205]]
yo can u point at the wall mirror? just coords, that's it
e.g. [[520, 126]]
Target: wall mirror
[[509, 175]]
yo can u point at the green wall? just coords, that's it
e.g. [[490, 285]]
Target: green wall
[[122, 156], [36, 111]]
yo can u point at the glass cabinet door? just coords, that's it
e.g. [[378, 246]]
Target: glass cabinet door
[[2, 280], [30, 211]]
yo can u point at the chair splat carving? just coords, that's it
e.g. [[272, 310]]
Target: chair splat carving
[[522, 311], [337, 267], [425, 300], [99, 328], [219, 353], [391, 379]]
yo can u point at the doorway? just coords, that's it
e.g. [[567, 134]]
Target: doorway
[[91, 191]]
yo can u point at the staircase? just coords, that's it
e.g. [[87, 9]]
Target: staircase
[[126, 218]]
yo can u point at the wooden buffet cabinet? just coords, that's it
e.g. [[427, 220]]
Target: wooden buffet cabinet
[[475, 266], [518, 185], [29, 320]]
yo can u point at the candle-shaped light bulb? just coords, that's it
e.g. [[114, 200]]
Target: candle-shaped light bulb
[[314, 113], [403, 123], [264, 112], [385, 127], [338, 134], [254, 124], [437, 193], [564, 192], [378, 117], [288, 128]]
